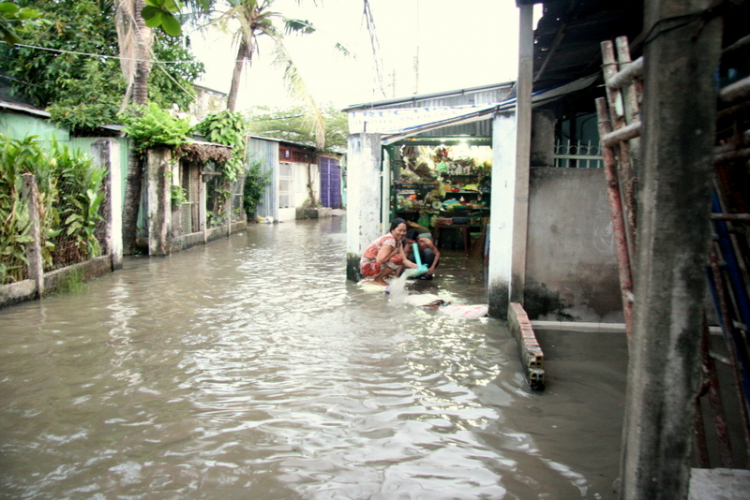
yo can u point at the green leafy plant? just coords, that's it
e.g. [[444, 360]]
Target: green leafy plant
[[68, 205], [15, 21], [151, 126], [17, 157], [292, 124], [84, 92], [228, 128], [254, 186], [214, 219], [79, 187], [179, 196], [72, 282]]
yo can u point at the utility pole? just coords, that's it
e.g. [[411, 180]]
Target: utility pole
[[664, 375], [416, 58]]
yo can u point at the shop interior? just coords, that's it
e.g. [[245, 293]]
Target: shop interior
[[441, 186]]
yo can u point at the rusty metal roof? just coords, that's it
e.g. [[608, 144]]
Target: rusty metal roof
[[568, 36]]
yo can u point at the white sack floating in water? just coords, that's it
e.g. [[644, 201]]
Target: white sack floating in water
[[465, 311]]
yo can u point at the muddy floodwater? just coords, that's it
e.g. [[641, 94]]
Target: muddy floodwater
[[251, 368]]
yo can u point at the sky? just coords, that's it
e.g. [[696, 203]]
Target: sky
[[459, 44]]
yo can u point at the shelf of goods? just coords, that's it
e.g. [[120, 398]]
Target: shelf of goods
[[415, 186]]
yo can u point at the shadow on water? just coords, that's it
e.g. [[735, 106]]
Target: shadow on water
[[250, 368]]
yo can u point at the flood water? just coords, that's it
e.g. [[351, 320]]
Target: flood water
[[251, 369]]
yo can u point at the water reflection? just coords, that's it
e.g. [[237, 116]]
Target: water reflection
[[251, 368]]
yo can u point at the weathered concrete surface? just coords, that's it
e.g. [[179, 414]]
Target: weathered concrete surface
[[25, 290], [502, 206], [158, 200], [719, 484], [185, 241], [14, 293], [542, 138], [106, 154], [532, 357], [571, 268], [363, 222], [90, 269], [314, 213], [524, 87], [673, 238]]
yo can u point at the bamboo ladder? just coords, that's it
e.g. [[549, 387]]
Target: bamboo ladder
[[621, 108]]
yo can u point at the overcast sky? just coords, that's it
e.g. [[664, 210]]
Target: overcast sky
[[460, 44]]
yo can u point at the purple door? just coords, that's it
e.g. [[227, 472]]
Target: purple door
[[330, 182]]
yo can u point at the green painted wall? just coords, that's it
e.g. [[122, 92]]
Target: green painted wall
[[19, 125], [84, 143]]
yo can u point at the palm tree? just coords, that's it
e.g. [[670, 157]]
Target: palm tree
[[256, 19], [135, 40]]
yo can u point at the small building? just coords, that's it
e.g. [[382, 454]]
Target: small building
[[447, 151], [299, 177]]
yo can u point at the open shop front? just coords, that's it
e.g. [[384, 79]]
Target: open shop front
[[441, 186]]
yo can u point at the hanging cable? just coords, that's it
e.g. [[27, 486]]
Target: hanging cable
[[62, 51]]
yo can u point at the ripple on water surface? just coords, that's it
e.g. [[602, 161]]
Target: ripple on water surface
[[250, 368]]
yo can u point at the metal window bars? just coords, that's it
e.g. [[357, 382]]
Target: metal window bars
[[577, 155]]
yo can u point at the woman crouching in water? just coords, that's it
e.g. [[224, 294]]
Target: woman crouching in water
[[385, 256]]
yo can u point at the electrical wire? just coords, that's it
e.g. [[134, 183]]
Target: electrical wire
[[62, 51], [686, 20]]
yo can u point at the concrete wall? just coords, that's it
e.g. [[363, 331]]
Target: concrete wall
[[266, 152], [55, 281], [85, 143], [502, 208], [19, 125], [571, 268], [363, 215]]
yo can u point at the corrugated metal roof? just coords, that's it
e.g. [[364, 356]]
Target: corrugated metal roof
[[568, 36], [22, 108], [484, 94], [486, 112]]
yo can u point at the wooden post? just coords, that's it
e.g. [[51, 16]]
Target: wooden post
[[618, 221], [203, 227], [679, 110], [35, 267], [523, 153], [228, 211]]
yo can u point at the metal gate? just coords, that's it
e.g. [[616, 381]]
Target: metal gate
[[330, 182]]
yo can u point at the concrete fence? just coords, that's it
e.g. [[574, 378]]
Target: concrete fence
[[106, 154]]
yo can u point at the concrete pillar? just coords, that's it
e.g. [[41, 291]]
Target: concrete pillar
[[679, 107], [510, 184], [523, 151], [501, 208], [385, 209], [35, 267], [363, 210], [106, 154], [202, 209], [228, 212], [158, 200], [542, 138]]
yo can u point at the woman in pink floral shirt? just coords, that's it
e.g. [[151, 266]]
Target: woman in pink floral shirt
[[385, 256]]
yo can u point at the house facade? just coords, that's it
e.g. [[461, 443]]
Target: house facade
[[298, 176]]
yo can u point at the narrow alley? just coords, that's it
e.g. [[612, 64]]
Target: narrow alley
[[251, 368]]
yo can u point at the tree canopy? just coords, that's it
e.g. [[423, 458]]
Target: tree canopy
[[69, 65], [14, 21], [293, 124]]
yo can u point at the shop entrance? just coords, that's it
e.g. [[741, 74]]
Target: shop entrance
[[441, 186]]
